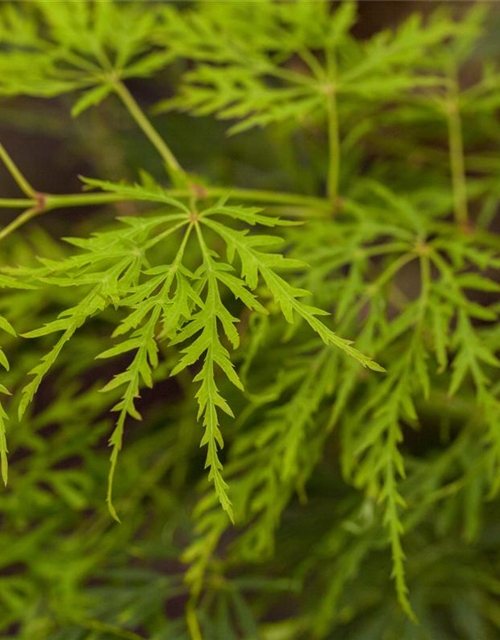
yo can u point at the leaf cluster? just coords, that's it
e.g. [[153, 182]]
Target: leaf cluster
[[233, 309]]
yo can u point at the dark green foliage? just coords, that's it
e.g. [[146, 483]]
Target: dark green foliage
[[223, 316]]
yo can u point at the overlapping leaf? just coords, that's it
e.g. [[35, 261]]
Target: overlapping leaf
[[288, 67], [55, 48]]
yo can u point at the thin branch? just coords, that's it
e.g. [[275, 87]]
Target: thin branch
[[20, 220], [192, 620], [43, 203], [55, 201], [16, 203], [457, 161], [15, 172], [269, 197], [333, 132], [174, 168], [249, 195]]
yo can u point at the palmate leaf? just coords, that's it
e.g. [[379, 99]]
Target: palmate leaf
[[235, 83], [246, 72], [84, 45], [238, 94], [211, 312], [248, 32], [173, 302]]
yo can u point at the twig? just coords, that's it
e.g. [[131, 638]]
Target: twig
[[15, 172]]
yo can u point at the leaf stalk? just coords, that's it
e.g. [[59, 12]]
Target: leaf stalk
[[457, 161], [333, 132], [16, 173], [174, 168]]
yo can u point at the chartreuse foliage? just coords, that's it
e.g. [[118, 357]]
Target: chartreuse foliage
[[234, 309], [116, 269]]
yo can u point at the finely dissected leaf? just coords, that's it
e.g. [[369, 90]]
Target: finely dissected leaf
[[472, 355], [140, 369], [3, 441], [255, 262], [143, 342], [91, 98], [386, 147], [8, 328], [83, 46], [209, 347], [189, 305], [236, 74], [68, 324]]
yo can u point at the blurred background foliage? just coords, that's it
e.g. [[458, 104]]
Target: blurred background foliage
[[68, 572]]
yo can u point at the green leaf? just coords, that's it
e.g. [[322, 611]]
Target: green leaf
[[91, 98], [255, 262]]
